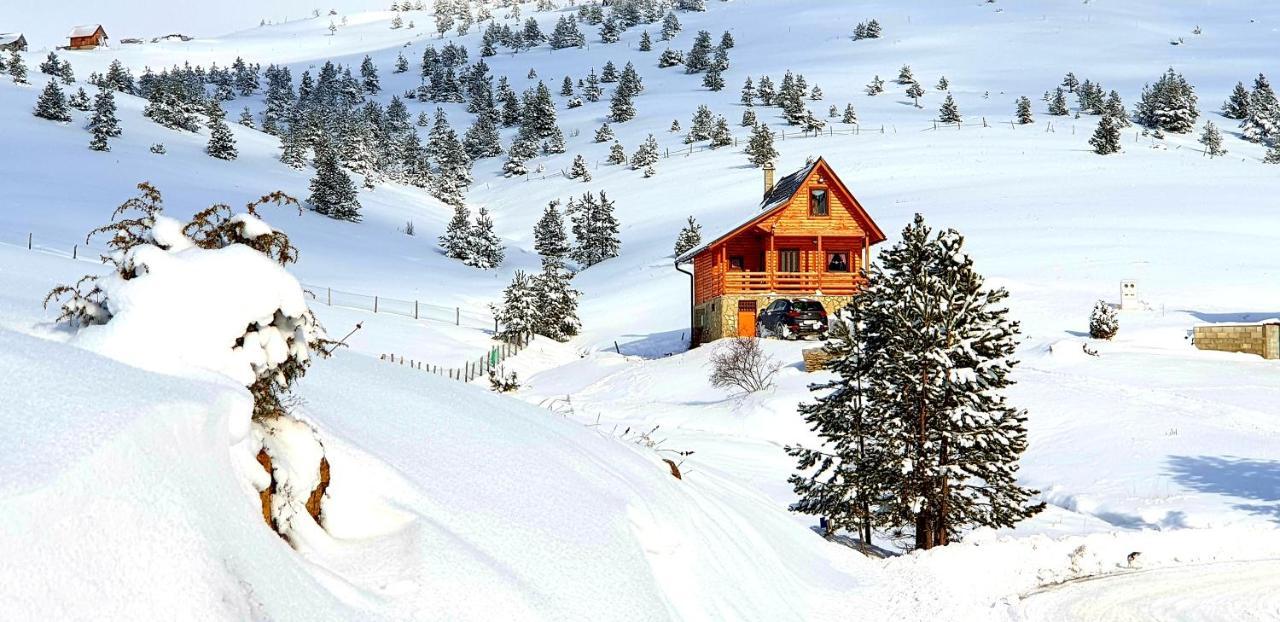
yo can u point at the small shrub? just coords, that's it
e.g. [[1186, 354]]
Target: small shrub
[[158, 148], [408, 228], [1103, 323], [503, 382], [743, 364]]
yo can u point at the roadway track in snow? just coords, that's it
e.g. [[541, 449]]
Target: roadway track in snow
[[1235, 591]]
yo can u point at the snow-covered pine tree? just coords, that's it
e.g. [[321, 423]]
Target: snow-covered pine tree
[[1024, 111], [1272, 156], [222, 143], [522, 150], [1058, 105], [402, 63], [1103, 323], [1114, 108], [949, 112], [698, 59], [689, 237], [453, 176], [646, 154], [485, 247], [766, 91], [549, 237], [1106, 139], [1237, 105], [713, 80], [557, 301], [720, 135], [760, 149], [566, 87], [1169, 105], [293, 150], [566, 34], [610, 31], [873, 29], [646, 42], [904, 75], [17, 67], [748, 93], [482, 139], [52, 104], [246, 118], [579, 169], [700, 126], [937, 346], [332, 193], [79, 101], [850, 115], [943, 84], [518, 314], [846, 476], [554, 142], [630, 81], [748, 118], [604, 134], [616, 154], [595, 230], [833, 111], [609, 73], [1070, 82], [876, 86], [621, 107], [104, 113], [456, 240], [1262, 121], [915, 92], [670, 26], [1211, 138], [591, 90]]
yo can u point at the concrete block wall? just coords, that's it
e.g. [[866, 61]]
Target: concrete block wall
[[720, 315], [1260, 339]]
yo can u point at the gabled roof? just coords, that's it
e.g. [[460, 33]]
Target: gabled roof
[[87, 30], [779, 197], [9, 37]]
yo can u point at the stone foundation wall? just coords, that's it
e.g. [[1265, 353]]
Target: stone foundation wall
[[1260, 339], [719, 316]]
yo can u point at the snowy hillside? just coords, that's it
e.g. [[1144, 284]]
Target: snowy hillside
[[448, 502]]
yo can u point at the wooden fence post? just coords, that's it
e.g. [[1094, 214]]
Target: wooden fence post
[[375, 304], [457, 316], [328, 296], [415, 309], [75, 251], [28, 241]]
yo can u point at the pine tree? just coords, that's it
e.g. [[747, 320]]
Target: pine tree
[[402, 63], [595, 230], [103, 124], [482, 139], [948, 112], [456, 240], [521, 151], [1103, 323], [765, 91], [700, 126], [557, 301], [873, 29], [915, 92], [920, 415], [222, 143], [748, 118], [1211, 138], [943, 84], [485, 247], [52, 104], [549, 237], [850, 115], [17, 67], [1024, 111], [621, 108], [1272, 156], [646, 155], [293, 150], [1070, 82], [698, 59], [904, 75], [714, 80], [566, 87], [646, 43], [670, 27], [760, 149], [690, 237], [332, 193], [246, 117], [1262, 121], [604, 134], [1169, 105], [720, 135], [1058, 106], [369, 76], [1106, 139], [875, 87], [79, 101], [1237, 105], [616, 154], [630, 80], [748, 93], [610, 31], [518, 315], [579, 169], [726, 41]]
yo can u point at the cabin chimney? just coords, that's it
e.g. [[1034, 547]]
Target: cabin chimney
[[768, 177]]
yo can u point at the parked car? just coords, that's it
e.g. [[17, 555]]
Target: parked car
[[793, 318]]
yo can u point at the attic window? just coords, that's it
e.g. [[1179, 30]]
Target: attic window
[[818, 202]]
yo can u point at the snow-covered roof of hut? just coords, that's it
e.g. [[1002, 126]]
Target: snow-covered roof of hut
[[84, 31], [9, 37]]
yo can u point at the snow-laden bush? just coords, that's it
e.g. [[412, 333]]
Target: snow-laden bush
[[210, 294], [742, 364], [1103, 323]]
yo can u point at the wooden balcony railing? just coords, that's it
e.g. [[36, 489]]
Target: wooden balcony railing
[[830, 283]]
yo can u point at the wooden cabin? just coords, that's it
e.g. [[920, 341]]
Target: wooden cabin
[[809, 239], [87, 37], [12, 42]]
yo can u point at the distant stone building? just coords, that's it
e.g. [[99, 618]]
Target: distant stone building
[[810, 238], [11, 41], [1261, 338]]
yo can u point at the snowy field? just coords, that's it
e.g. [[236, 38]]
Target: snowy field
[[448, 502]]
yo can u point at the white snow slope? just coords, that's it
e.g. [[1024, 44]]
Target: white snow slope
[[466, 505]]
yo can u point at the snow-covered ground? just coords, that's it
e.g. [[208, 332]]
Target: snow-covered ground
[[448, 503]]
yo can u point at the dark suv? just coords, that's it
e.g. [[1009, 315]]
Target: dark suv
[[792, 319]]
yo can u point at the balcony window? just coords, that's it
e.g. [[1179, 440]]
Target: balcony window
[[789, 260], [837, 262], [818, 202], [736, 263]]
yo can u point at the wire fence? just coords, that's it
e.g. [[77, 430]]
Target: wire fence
[[470, 370], [416, 309]]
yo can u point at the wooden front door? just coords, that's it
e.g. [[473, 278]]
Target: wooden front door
[[746, 318], [789, 260]]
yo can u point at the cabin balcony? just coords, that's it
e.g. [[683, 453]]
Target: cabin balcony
[[811, 283]]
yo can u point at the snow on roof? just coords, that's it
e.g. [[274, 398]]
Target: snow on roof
[[775, 198], [84, 31], [9, 37]]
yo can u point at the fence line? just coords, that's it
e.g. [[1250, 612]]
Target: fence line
[[415, 309], [471, 369]]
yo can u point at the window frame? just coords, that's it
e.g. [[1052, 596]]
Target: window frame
[[741, 265], [798, 257], [848, 263], [826, 201]]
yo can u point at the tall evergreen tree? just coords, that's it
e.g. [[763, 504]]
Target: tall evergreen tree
[[1024, 111], [222, 143], [456, 240], [1169, 104], [1106, 139], [1262, 121], [1237, 105], [616, 154], [689, 238], [332, 193], [557, 301], [760, 149], [1211, 138], [595, 229], [670, 27], [850, 115], [949, 112], [17, 67], [579, 169], [485, 249], [621, 107], [519, 313], [698, 59], [369, 76], [1058, 105], [646, 154], [79, 101], [549, 237]]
